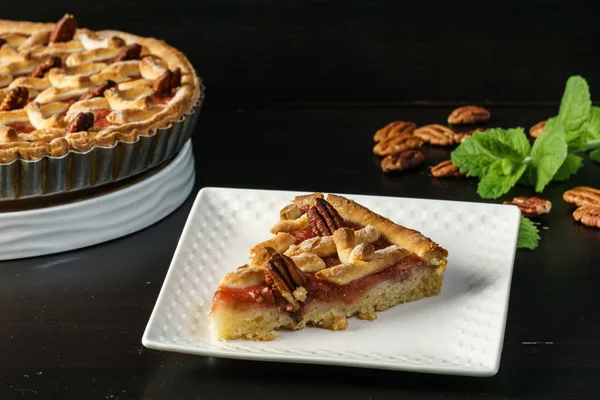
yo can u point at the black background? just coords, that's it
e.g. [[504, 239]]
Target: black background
[[295, 92], [257, 52]]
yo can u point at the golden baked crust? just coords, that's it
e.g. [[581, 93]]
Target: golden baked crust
[[133, 111], [399, 235]]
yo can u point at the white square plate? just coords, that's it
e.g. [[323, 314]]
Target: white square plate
[[460, 331]]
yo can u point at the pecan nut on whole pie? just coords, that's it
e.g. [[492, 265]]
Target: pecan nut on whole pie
[[531, 206], [445, 169], [469, 115], [99, 90], [46, 65], [131, 52], [82, 122], [323, 219], [65, 29], [167, 82], [15, 99], [402, 161]]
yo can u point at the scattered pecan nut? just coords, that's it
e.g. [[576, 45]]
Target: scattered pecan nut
[[435, 134], [130, 52], [323, 219], [397, 144], [469, 115], [82, 122], [462, 136], [64, 30], [165, 84], [284, 277], [446, 169], [394, 129], [15, 99], [588, 215], [401, 162], [98, 91], [536, 130], [531, 206], [583, 196], [46, 65]]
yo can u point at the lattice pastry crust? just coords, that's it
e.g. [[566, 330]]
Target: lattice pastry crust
[[64, 89]]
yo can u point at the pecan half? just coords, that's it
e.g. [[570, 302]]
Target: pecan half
[[583, 196], [284, 277], [46, 65], [469, 115], [536, 130], [436, 134], [397, 144], [462, 136], [445, 169], [82, 122], [395, 128], [130, 52], [401, 162], [531, 206], [15, 99], [588, 215], [323, 219], [98, 91], [165, 84], [64, 29]]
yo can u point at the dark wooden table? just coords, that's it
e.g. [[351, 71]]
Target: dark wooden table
[[71, 324]]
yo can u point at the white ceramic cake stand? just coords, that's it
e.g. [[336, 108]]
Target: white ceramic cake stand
[[84, 223]]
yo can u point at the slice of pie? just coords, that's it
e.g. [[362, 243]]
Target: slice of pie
[[329, 260]]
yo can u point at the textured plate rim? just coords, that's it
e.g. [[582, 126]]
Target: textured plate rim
[[450, 370]]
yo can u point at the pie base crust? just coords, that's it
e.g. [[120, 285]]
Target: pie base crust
[[262, 324]]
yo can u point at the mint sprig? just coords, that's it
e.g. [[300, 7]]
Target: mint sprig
[[502, 157]]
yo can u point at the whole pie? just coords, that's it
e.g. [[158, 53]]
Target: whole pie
[[329, 259], [64, 88]]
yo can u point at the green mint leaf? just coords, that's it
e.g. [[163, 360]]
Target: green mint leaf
[[595, 155], [529, 236], [593, 124], [569, 167], [547, 155], [590, 138], [476, 155], [575, 107], [497, 182]]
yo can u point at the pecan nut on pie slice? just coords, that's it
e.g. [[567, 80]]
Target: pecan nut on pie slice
[[329, 259], [66, 88]]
